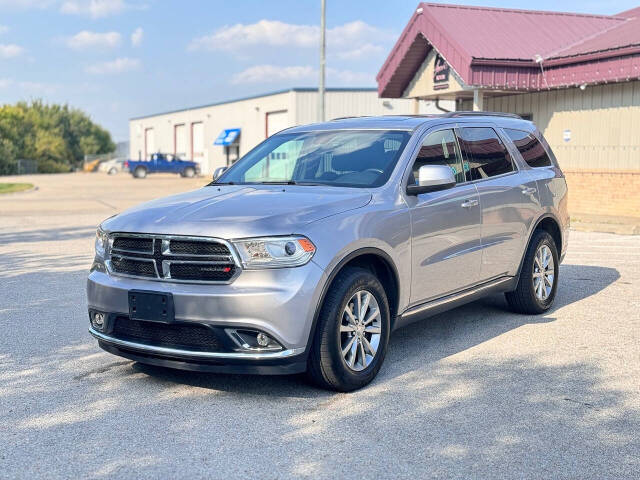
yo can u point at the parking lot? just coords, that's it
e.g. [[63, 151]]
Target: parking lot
[[477, 392]]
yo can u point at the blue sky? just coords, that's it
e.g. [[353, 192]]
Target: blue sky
[[117, 59]]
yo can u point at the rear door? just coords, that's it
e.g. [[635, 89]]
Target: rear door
[[508, 200], [445, 247]]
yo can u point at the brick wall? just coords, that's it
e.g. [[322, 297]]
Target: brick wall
[[606, 193]]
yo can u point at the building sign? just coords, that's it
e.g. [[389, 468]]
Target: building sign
[[566, 135], [440, 74]]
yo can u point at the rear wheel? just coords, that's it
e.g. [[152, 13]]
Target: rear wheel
[[140, 172], [112, 171], [189, 172], [352, 333], [538, 280]]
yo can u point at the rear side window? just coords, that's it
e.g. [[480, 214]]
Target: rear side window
[[529, 147], [486, 154]]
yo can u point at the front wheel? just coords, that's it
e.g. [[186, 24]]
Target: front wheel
[[538, 280], [352, 333], [189, 172]]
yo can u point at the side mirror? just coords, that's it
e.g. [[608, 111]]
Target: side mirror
[[432, 178], [218, 171]]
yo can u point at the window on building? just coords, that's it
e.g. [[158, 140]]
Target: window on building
[[440, 148], [529, 147], [486, 154]]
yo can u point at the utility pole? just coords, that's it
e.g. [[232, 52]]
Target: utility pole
[[323, 45]]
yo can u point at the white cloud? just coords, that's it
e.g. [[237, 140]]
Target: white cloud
[[37, 87], [86, 39], [360, 52], [10, 50], [136, 37], [273, 73], [93, 8], [299, 73], [351, 35], [119, 65], [3, 29], [5, 82]]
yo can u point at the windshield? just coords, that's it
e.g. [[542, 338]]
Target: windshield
[[350, 158]]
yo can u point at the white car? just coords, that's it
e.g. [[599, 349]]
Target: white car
[[112, 166]]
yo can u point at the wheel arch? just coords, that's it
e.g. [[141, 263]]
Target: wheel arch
[[380, 264], [549, 223]]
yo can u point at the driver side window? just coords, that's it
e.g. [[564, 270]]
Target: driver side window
[[440, 148]]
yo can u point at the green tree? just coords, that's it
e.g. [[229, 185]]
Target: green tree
[[56, 136]]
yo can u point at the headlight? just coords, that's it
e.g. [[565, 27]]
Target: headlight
[[101, 243], [274, 252]]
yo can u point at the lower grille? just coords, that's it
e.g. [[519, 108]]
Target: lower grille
[[177, 335]]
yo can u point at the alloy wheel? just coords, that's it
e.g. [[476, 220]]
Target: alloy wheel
[[543, 272], [360, 330]]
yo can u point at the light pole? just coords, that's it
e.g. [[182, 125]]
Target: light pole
[[323, 44]]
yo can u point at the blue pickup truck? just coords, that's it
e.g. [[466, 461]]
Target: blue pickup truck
[[162, 163]]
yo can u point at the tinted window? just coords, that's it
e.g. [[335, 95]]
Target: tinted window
[[485, 152], [529, 147], [440, 148], [353, 158]]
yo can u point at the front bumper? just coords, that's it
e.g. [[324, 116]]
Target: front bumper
[[279, 302]]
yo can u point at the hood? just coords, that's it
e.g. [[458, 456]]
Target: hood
[[235, 211]]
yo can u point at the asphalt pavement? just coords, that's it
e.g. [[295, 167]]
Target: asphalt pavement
[[477, 392]]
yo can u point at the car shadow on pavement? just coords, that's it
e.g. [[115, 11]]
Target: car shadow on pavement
[[420, 343]]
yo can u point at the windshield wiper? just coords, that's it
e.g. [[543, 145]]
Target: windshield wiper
[[221, 183], [283, 182]]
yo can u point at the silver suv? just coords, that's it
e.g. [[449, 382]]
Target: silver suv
[[309, 251]]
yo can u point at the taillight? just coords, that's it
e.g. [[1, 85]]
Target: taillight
[[126, 164]]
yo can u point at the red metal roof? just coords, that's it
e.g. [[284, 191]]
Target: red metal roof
[[498, 48]]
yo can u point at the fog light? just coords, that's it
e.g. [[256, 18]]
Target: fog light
[[262, 339], [253, 340], [98, 320]]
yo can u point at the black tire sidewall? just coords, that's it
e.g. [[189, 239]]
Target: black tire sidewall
[[543, 238], [356, 279]]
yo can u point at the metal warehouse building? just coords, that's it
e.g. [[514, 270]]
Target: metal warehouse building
[[577, 76], [214, 135]]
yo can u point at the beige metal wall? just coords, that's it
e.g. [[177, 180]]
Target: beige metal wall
[[348, 103], [291, 108], [603, 120]]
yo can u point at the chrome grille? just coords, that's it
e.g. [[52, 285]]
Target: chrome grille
[[172, 258]]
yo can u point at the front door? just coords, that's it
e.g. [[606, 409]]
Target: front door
[[445, 247]]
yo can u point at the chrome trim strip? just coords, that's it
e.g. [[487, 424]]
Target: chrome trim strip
[[195, 354], [430, 305]]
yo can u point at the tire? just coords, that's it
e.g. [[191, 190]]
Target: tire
[[189, 172], [140, 172], [526, 298], [112, 171], [327, 367]]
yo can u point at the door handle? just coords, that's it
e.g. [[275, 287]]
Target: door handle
[[528, 190], [469, 204]]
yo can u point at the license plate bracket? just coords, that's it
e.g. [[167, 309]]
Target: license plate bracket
[[151, 306]]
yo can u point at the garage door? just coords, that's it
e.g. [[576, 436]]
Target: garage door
[[180, 140], [149, 143], [276, 121]]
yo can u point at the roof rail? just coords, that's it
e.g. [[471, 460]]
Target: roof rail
[[481, 114]]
